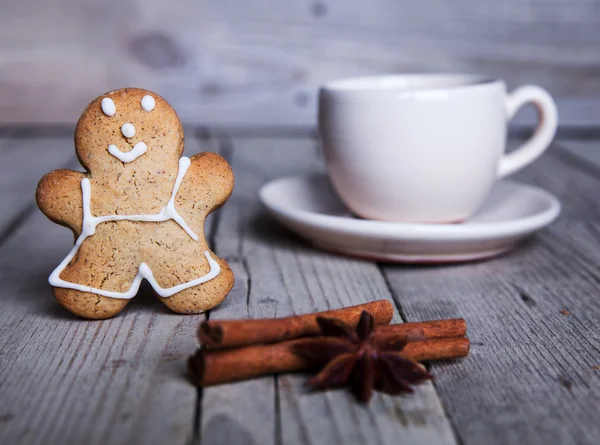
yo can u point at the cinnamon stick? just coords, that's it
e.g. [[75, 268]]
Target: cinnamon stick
[[208, 368], [233, 333], [453, 327]]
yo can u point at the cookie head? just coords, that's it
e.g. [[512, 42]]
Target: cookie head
[[130, 126]]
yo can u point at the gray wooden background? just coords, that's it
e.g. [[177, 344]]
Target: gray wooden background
[[259, 62]]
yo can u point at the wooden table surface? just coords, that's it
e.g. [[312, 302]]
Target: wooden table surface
[[533, 375]]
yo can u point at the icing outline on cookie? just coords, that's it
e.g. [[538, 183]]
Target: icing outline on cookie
[[88, 228], [128, 156]]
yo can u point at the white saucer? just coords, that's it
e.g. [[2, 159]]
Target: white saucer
[[308, 206]]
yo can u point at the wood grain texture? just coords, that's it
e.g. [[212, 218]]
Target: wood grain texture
[[533, 319], [286, 277], [533, 316], [67, 380], [252, 62], [588, 151]]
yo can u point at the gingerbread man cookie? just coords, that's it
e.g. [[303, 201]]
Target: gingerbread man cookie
[[137, 212]]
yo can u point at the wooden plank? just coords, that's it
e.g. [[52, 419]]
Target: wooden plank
[[284, 276], [220, 61], [64, 380], [23, 162], [221, 422], [533, 319], [588, 150]]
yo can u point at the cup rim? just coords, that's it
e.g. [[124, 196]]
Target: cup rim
[[394, 83]]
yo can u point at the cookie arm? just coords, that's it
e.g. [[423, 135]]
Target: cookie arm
[[58, 196], [208, 182], [206, 186]]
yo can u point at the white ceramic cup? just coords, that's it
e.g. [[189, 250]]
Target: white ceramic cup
[[424, 148]]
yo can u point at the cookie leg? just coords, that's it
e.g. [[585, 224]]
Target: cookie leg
[[88, 305], [101, 263], [203, 297]]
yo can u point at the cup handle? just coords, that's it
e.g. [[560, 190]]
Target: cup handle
[[543, 134]]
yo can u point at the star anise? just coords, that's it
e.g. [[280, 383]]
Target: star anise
[[354, 357]]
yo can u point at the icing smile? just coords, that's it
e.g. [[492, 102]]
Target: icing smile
[[129, 156]]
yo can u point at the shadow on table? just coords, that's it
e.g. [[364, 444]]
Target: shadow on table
[[224, 429], [264, 229]]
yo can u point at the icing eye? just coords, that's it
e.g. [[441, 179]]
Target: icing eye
[[128, 130], [148, 103], [108, 107]]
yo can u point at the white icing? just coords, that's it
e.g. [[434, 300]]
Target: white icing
[[139, 149], [89, 228], [108, 106], [148, 103], [128, 130]]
